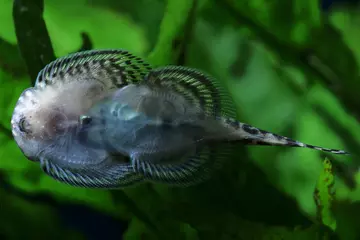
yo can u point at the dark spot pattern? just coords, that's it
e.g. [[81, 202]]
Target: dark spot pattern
[[119, 67], [232, 122], [167, 123], [85, 120], [114, 176], [250, 129], [196, 87]]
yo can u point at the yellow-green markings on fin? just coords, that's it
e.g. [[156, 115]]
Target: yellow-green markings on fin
[[116, 176], [199, 88], [324, 195], [202, 91], [113, 67], [186, 172]]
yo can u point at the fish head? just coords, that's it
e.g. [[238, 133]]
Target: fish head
[[45, 119], [30, 124]]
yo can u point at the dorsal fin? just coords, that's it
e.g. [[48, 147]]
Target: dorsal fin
[[205, 93], [115, 68], [199, 88]]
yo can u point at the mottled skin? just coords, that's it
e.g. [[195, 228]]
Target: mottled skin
[[105, 119]]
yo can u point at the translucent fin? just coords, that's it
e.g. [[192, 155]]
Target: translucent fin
[[203, 92], [254, 136], [115, 68], [200, 89], [116, 176], [185, 172]]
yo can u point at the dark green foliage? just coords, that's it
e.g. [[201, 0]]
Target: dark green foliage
[[33, 39]]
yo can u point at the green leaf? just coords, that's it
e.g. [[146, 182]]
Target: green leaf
[[10, 59], [32, 35], [311, 54], [324, 195], [137, 230], [105, 27], [171, 31], [22, 219]]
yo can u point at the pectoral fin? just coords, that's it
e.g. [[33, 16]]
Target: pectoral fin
[[184, 172], [112, 176]]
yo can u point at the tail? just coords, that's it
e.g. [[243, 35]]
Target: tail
[[250, 135]]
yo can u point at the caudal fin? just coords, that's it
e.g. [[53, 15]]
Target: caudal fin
[[250, 135]]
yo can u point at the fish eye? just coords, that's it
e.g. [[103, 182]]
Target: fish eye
[[23, 125], [85, 120]]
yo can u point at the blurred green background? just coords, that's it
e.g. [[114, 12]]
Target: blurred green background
[[291, 67]]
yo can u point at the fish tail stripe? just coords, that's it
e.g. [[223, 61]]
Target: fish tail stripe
[[334, 151], [256, 136]]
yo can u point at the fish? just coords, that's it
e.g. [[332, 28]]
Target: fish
[[177, 126], [45, 120]]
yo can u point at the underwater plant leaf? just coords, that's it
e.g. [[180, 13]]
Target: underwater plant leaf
[[238, 228], [138, 211], [139, 12], [5, 131], [22, 219], [312, 54], [347, 214], [346, 20], [187, 35], [162, 222], [32, 35], [86, 42], [10, 59], [105, 27], [324, 195], [137, 230], [233, 206], [171, 32]]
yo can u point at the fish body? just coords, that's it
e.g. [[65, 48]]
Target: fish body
[[172, 127], [159, 124], [46, 117], [107, 119]]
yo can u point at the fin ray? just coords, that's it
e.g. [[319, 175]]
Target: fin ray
[[106, 177], [199, 88], [115, 66], [190, 171]]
